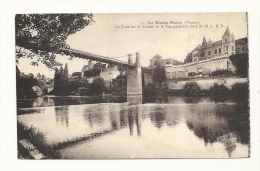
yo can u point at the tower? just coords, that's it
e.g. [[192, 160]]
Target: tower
[[228, 42], [204, 42], [134, 76]]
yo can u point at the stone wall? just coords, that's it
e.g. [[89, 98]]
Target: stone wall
[[200, 68]]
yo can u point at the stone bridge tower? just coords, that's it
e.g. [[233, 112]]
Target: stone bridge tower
[[134, 76]]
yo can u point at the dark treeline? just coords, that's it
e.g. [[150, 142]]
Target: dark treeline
[[24, 84], [240, 61], [192, 89]]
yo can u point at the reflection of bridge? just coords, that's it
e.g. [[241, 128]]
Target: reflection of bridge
[[134, 75]]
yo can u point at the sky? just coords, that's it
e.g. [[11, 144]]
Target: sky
[[116, 35]]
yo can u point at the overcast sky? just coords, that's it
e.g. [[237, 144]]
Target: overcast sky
[[109, 36]]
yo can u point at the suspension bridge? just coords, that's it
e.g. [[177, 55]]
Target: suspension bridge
[[134, 74]]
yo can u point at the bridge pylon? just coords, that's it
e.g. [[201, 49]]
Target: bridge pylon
[[134, 76]]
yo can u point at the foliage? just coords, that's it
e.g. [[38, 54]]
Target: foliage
[[240, 61], [119, 85], [92, 72], [240, 90], [38, 139], [191, 89], [70, 86], [219, 90], [188, 58], [222, 72], [24, 84], [159, 74], [98, 86], [76, 74], [58, 83], [44, 35], [149, 91], [64, 87], [40, 76]]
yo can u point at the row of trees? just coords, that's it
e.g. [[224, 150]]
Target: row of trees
[[64, 87], [239, 90]]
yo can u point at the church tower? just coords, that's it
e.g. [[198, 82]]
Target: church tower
[[204, 42], [228, 43]]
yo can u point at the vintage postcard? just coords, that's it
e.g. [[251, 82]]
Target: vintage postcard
[[132, 86]]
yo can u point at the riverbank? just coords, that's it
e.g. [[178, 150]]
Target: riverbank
[[206, 83], [38, 140]]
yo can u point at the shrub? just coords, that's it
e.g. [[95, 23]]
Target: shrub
[[98, 86], [219, 90], [240, 90], [222, 72], [191, 89], [38, 139], [149, 90], [240, 61], [119, 86]]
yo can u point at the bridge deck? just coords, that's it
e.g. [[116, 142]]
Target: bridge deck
[[94, 57]]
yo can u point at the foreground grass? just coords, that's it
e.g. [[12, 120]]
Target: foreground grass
[[38, 139]]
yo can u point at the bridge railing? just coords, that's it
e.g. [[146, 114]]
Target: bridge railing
[[91, 56]]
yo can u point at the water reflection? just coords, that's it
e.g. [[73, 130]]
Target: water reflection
[[158, 116], [61, 115], [185, 121], [229, 140], [45, 101], [135, 113]]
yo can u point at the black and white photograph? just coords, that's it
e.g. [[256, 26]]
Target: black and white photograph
[[100, 86], [149, 85]]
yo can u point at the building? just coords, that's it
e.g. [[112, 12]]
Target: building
[[209, 56], [108, 74], [86, 67], [164, 62], [156, 59], [227, 45]]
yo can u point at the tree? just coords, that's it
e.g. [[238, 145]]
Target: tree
[[38, 76], [58, 83], [159, 73], [44, 35], [24, 84], [76, 74], [188, 58], [98, 86], [119, 85], [191, 89], [240, 61]]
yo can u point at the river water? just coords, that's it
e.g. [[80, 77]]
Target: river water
[[133, 127]]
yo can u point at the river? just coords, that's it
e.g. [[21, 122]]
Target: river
[[136, 127]]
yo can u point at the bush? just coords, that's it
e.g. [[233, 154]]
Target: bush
[[219, 90], [191, 89], [240, 61], [38, 139], [240, 90], [149, 91], [119, 86], [222, 72], [98, 86], [24, 86]]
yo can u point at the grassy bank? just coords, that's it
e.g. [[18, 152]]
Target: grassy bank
[[37, 138]]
